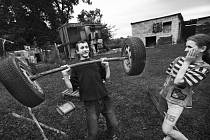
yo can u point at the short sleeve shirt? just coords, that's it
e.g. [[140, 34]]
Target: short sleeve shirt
[[89, 79]]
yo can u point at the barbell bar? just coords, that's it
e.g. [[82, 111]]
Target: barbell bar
[[34, 77]]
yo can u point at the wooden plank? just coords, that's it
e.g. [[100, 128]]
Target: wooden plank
[[61, 35], [159, 103]]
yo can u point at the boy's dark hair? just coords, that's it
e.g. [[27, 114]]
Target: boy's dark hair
[[78, 43], [202, 40]]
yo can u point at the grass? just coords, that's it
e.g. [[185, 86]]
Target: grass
[[135, 111]]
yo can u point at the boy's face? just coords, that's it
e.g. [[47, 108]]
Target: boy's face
[[83, 50], [191, 45]]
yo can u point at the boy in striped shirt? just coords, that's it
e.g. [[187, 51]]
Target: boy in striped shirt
[[184, 73]]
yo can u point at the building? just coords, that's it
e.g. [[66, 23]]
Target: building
[[161, 30], [203, 25], [195, 26]]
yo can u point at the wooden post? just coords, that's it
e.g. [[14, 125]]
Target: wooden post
[[57, 53], [37, 124], [41, 124], [3, 47], [67, 41]]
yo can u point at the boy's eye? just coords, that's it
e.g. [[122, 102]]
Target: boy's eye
[[189, 47], [82, 47], [86, 47]]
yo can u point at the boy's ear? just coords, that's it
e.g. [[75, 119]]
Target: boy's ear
[[203, 48]]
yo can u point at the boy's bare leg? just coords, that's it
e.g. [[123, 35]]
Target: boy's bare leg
[[167, 138], [173, 114]]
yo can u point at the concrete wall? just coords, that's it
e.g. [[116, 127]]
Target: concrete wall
[[145, 28]]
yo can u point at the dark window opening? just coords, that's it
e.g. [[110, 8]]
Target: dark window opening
[[167, 27], [157, 27], [164, 40], [150, 41]]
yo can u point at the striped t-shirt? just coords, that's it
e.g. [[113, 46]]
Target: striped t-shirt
[[194, 74]]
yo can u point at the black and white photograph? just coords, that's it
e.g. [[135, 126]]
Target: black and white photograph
[[104, 70]]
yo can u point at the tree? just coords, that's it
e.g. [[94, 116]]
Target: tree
[[95, 17], [90, 17], [107, 32], [26, 20]]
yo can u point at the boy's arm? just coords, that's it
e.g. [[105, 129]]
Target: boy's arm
[[190, 57], [169, 69], [193, 76], [190, 77], [106, 66], [67, 82], [179, 79], [108, 73], [66, 78]]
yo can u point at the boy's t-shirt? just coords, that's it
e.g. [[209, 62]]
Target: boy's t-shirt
[[89, 79]]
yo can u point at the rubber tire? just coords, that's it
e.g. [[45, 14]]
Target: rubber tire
[[138, 55], [18, 84]]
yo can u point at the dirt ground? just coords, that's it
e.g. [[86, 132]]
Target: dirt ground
[[138, 117]]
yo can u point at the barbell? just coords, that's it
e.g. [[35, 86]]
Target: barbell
[[22, 85], [34, 77]]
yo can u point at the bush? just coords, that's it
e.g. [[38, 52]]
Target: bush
[[114, 43]]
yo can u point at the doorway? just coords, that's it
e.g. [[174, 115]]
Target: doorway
[[151, 41]]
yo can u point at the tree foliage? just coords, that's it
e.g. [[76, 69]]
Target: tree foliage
[[107, 32], [95, 17], [90, 17], [26, 21]]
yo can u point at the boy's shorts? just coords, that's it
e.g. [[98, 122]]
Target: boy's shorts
[[173, 113]]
